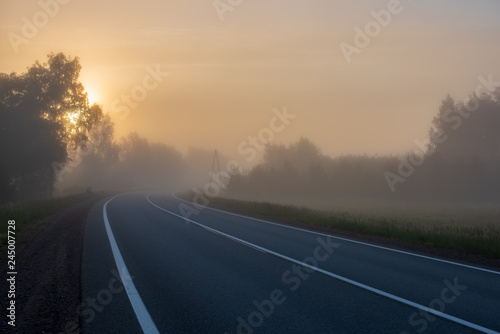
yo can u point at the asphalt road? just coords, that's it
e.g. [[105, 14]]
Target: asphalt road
[[147, 269]]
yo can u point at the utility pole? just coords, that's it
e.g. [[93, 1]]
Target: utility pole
[[215, 164]]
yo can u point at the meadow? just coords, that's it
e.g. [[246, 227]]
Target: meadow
[[470, 228]]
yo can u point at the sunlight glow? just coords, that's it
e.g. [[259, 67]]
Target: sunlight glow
[[73, 117], [92, 95]]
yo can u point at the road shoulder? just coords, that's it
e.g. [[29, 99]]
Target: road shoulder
[[48, 275]]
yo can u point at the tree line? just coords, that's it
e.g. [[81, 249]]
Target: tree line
[[460, 161], [53, 141]]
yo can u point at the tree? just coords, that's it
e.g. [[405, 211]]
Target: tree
[[93, 164], [149, 165], [44, 115], [464, 162], [467, 130]]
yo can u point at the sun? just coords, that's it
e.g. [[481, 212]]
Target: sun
[[92, 95], [73, 117]]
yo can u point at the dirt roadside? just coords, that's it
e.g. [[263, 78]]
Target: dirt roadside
[[48, 267], [48, 275]]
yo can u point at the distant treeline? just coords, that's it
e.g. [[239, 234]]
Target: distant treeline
[[53, 141], [459, 162]]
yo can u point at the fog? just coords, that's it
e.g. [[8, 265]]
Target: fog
[[304, 103]]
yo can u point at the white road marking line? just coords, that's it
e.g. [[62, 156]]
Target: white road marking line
[[225, 236], [142, 314], [349, 240], [341, 278]]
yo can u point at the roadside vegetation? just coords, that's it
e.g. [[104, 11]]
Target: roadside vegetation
[[32, 216], [444, 193], [474, 230]]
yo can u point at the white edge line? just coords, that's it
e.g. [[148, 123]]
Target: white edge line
[[142, 314], [349, 240], [341, 278]]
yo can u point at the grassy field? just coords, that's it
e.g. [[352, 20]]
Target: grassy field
[[473, 229], [37, 212]]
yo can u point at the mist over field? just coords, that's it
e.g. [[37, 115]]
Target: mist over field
[[374, 105], [237, 166]]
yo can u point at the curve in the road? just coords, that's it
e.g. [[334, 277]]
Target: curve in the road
[[341, 278], [349, 240], [222, 226]]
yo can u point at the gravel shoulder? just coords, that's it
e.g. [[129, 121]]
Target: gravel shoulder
[[48, 266], [48, 274]]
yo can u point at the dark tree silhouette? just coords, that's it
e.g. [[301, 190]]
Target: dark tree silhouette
[[462, 163], [465, 162], [467, 130], [44, 115]]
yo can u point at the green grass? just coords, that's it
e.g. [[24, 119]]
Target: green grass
[[475, 231], [27, 213]]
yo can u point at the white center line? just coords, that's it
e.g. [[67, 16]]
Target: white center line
[[341, 278], [349, 240]]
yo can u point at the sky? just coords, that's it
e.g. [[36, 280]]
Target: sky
[[232, 65]]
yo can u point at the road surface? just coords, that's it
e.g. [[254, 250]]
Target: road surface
[[145, 268]]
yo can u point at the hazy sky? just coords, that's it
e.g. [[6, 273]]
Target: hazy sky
[[225, 77]]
